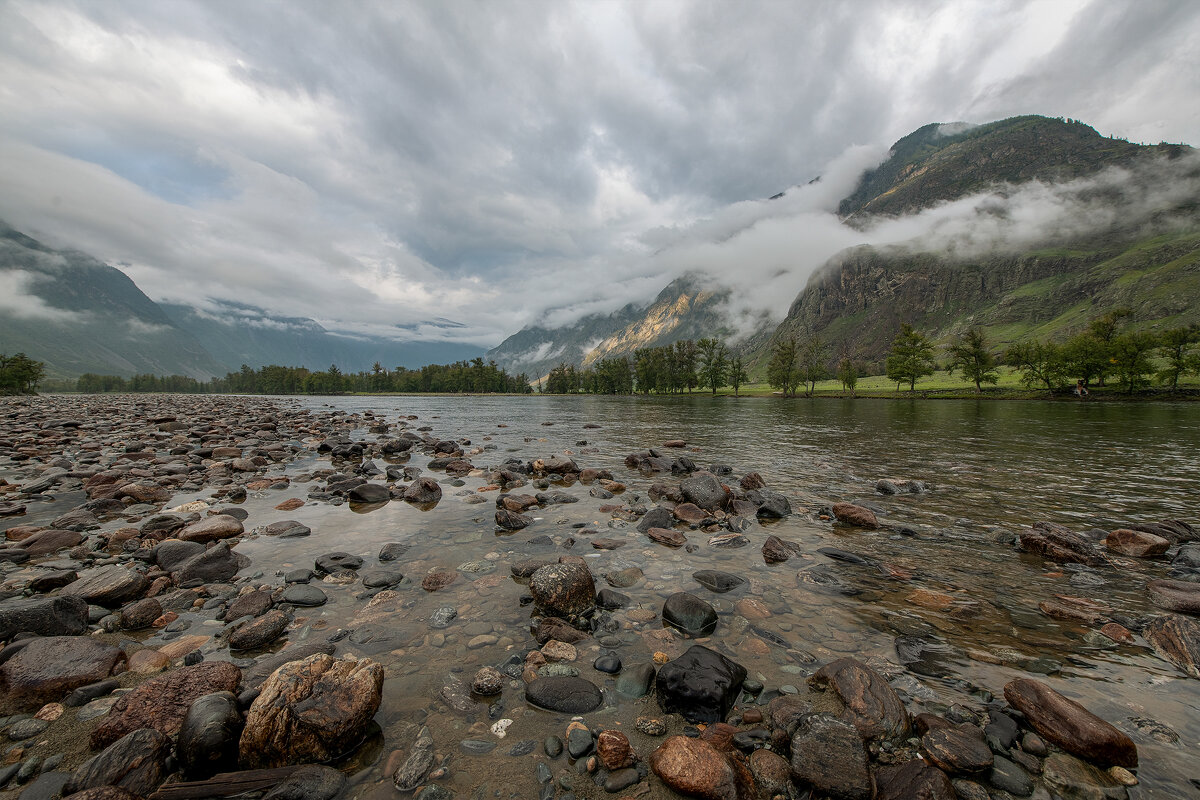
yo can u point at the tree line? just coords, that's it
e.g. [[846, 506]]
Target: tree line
[[20, 374], [670, 369]]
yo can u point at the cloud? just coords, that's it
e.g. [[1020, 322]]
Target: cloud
[[17, 299], [501, 164]]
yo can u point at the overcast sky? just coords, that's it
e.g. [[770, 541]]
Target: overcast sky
[[496, 163]]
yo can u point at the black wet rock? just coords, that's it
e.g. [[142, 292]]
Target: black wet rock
[[309, 782], [64, 615], [260, 632], [208, 738], [689, 614], [637, 680], [717, 581], [701, 685], [300, 594], [829, 755], [135, 762], [609, 599], [369, 493], [566, 694], [335, 562]]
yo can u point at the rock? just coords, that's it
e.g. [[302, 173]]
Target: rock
[[171, 554], [701, 685], [48, 668], [705, 490], [608, 599], [208, 735], [570, 695], [614, 750], [956, 750], [609, 663], [689, 513], [27, 729], [1180, 596], [148, 661], [287, 529], [1069, 725], [695, 768], [53, 579], [381, 578], [1010, 777], [913, 780], [109, 586], [488, 681], [772, 773], [210, 529], [771, 505], [261, 632], [412, 772], [369, 493], [50, 541], [393, 551], [635, 681], [162, 703], [1137, 544], [620, 779], [851, 514], [1070, 777], [422, 491], [144, 492], [335, 562], [776, 550], [667, 536], [828, 755], [64, 615], [437, 579], [217, 564], [311, 710], [623, 578], [657, 517], [135, 762], [301, 594], [555, 650], [254, 677], [689, 614], [871, 704], [563, 590], [511, 520], [752, 608], [309, 782], [1176, 639], [103, 793], [140, 614], [251, 604], [717, 581], [554, 628], [1059, 544]]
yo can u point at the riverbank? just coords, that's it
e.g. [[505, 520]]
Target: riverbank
[[220, 538]]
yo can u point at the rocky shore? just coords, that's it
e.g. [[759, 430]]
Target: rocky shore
[[169, 632]]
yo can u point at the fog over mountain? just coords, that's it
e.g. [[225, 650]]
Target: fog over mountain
[[453, 173]]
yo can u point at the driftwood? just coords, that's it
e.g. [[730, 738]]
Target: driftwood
[[224, 785]]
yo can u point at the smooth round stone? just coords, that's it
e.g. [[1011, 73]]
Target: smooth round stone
[[335, 562], [579, 742], [27, 729], [570, 695], [300, 594], [717, 581], [482, 640], [298, 576], [621, 779], [553, 746], [381, 578], [609, 663]]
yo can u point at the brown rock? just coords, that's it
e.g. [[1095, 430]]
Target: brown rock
[[108, 586], [517, 503], [161, 703], [210, 529], [563, 590], [829, 755], [913, 780], [614, 750], [851, 514], [104, 793], [148, 661], [136, 761], [49, 667], [291, 504], [1177, 640], [554, 628], [752, 608], [752, 481], [1069, 725], [1074, 609], [555, 650], [695, 768], [438, 579], [140, 614], [957, 750], [690, 513], [311, 710], [144, 492], [1117, 632], [251, 604], [871, 704], [772, 773], [49, 541], [1137, 544], [776, 550], [423, 491], [1180, 596], [1059, 544], [667, 536]]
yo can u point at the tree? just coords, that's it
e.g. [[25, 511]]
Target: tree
[[970, 356], [812, 357], [781, 369], [737, 374], [714, 363], [1131, 358], [20, 374], [1039, 362], [1175, 346], [1087, 357], [911, 357], [847, 373], [1104, 330]]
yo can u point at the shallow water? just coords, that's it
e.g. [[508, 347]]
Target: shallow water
[[991, 469]]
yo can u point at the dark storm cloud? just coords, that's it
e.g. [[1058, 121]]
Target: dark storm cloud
[[383, 164]]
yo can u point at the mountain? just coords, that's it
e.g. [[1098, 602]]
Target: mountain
[[79, 315], [685, 309]]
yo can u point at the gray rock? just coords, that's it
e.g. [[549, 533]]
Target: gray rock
[[64, 615], [108, 586], [217, 564], [309, 782], [300, 594], [828, 755], [208, 738], [414, 769], [565, 694], [135, 762]]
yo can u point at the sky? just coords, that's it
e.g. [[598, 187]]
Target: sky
[[457, 170]]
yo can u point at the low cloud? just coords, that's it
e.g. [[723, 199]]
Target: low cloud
[[19, 299]]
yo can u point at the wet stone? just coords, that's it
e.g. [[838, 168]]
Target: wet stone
[[1010, 777], [717, 581], [567, 694], [689, 614]]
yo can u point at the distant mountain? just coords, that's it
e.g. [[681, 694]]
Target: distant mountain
[[79, 315], [685, 309]]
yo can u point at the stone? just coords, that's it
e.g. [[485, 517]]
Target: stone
[[1010, 777], [334, 562], [1059, 544], [1071, 778], [701, 685], [109, 586], [136, 762], [144, 492], [771, 505], [140, 614], [63, 615], [689, 614], [437, 579], [689, 513], [260, 632], [148, 662], [752, 608], [254, 677], [171, 554], [623, 578], [705, 490], [608, 599], [301, 594], [563, 590], [393, 551], [913, 780], [162, 703], [488, 681], [1180, 596], [27, 729], [554, 628], [381, 578], [423, 491], [872, 706], [511, 520], [695, 768], [667, 536], [717, 581], [409, 775], [287, 529], [555, 650], [311, 710], [1069, 725], [637, 680], [776, 550], [48, 668], [210, 529], [828, 755], [50, 541], [657, 517], [570, 695], [217, 564], [309, 782], [957, 751], [614, 750], [1137, 544], [103, 793], [251, 604], [369, 493], [1176, 639], [851, 514]]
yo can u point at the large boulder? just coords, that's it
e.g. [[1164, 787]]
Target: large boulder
[[871, 705], [136, 762], [109, 586], [563, 590], [171, 554], [311, 710], [422, 491], [1069, 725], [911, 780], [46, 669], [1180, 596], [64, 615], [701, 685], [162, 703], [829, 755], [50, 541]]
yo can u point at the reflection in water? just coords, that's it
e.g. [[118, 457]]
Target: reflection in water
[[948, 598]]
